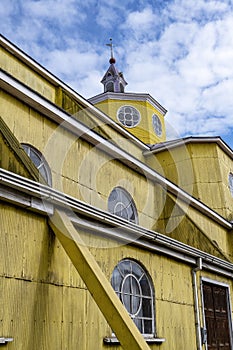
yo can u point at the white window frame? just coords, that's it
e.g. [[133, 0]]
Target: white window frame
[[230, 181], [157, 125], [43, 163], [122, 110], [151, 298], [128, 205]]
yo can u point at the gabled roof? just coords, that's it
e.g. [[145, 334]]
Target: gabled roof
[[113, 71]]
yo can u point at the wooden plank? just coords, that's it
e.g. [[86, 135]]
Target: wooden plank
[[97, 284]]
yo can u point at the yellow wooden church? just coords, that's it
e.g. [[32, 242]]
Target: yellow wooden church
[[111, 237]]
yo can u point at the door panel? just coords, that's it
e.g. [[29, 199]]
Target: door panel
[[216, 316]]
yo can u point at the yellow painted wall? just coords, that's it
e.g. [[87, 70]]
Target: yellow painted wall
[[19, 70], [78, 168], [45, 305], [185, 224], [82, 171], [144, 130], [202, 170]]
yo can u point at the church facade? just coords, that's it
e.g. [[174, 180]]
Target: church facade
[[112, 237]]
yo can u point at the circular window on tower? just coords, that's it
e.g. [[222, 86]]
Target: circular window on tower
[[157, 125], [128, 116], [230, 178]]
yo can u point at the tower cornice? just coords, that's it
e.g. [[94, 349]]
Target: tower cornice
[[128, 96]]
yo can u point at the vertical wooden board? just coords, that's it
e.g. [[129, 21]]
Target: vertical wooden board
[[24, 243], [36, 130], [35, 236], [11, 246], [25, 74], [44, 325], [74, 322], [31, 314], [175, 282], [12, 110], [13, 313], [48, 332], [95, 326], [59, 264], [18, 316], [176, 325], [60, 269]]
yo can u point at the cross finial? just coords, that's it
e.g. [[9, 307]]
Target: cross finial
[[111, 48]]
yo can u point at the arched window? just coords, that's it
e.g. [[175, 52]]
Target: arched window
[[230, 178], [134, 288], [121, 204], [110, 87], [157, 125], [39, 161]]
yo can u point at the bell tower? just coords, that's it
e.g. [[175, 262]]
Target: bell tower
[[139, 113], [113, 80]]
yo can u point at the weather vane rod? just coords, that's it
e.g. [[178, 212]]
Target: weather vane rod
[[111, 47]]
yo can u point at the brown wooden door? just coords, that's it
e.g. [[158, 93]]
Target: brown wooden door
[[217, 316]]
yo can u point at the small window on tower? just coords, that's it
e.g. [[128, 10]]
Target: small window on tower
[[157, 125], [110, 87], [128, 116]]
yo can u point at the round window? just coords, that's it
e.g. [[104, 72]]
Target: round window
[[128, 116], [157, 125]]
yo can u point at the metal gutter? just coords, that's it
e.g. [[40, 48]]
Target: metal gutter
[[59, 116], [43, 199], [196, 303], [164, 146]]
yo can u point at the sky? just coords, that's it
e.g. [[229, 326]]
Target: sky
[[178, 51]]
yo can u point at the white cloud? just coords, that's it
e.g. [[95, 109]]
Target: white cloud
[[106, 16], [81, 62], [63, 12], [188, 67], [200, 10], [141, 20]]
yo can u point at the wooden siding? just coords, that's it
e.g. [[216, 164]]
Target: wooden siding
[[45, 304]]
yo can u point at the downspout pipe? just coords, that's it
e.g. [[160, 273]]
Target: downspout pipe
[[196, 303]]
